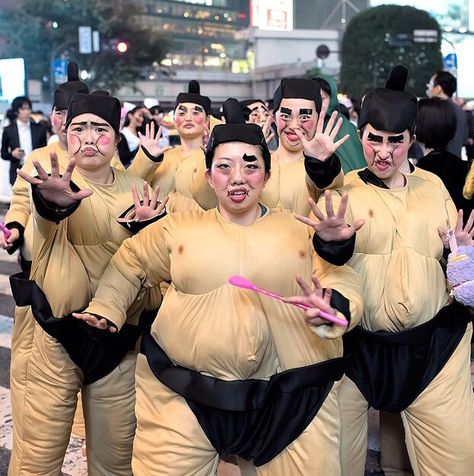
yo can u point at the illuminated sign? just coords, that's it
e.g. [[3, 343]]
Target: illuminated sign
[[272, 14], [12, 78]]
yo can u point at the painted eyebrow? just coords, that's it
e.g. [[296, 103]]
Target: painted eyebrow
[[285, 110], [182, 108], [306, 111], [374, 137], [84, 123], [198, 108], [249, 158], [395, 139]]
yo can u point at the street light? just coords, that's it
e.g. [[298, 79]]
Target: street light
[[122, 47]]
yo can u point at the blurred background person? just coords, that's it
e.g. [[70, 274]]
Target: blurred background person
[[443, 85], [435, 128], [22, 136], [350, 153], [129, 139]]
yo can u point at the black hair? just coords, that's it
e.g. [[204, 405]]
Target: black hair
[[324, 85], [446, 81], [156, 110], [19, 102], [344, 110], [435, 123]]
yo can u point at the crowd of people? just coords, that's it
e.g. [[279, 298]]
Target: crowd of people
[[125, 303]]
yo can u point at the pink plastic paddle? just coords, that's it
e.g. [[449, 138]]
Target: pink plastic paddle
[[244, 283], [5, 230]]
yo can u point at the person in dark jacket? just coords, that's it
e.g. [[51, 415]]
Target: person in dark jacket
[[436, 126], [22, 136]]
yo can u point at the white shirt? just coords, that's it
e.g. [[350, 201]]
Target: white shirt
[[24, 134], [133, 141]]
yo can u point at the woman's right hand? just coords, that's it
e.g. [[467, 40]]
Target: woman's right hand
[[55, 188], [7, 243], [151, 142]]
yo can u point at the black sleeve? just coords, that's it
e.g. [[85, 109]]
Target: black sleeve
[[51, 211], [322, 173], [43, 139], [6, 153], [335, 252], [341, 304], [18, 243], [157, 159], [135, 226]]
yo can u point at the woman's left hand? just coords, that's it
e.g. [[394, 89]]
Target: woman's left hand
[[94, 321], [464, 235], [315, 299], [149, 208], [333, 226]]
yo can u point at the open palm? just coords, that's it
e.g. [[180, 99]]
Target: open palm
[[55, 188], [333, 226]]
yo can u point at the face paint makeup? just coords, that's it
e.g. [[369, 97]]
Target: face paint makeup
[[385, 152], [190, 120], [90, 140], [295, 114]]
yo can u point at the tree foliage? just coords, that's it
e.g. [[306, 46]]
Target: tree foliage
[[367, 56], [41, 30]]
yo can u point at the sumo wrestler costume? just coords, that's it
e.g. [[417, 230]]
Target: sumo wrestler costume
[[72, 247], [225, 371], [173, 171], [18, 215], [411, 353]]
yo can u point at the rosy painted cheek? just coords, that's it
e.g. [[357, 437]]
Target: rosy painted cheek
[[308, 126], [178, 121], [400, 152], [73, 144], [57, 123], [281, 124], [199, 120], [103, 140], [369, 153]]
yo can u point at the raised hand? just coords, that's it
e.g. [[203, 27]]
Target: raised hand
[[324, 143], [55, 188], [315, 299], [150, 207], [94, 321], [333, 226], [463, 235], [268, 130], [150, 141]]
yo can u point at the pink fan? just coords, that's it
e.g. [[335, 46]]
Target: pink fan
[[5, 230], [244, 283]]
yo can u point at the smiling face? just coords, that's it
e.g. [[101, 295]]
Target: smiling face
[[296, 114], [136, 118], [190, 120], [91, 141], [385, 152], [237, 176]]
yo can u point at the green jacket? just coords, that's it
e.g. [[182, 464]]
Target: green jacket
[[350, 153]]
